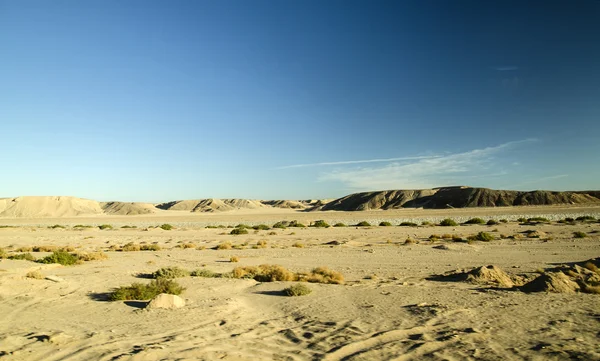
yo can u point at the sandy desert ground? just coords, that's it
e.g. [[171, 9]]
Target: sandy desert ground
[[388, 308]]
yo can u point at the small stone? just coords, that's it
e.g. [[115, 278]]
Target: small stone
[[166, 301]]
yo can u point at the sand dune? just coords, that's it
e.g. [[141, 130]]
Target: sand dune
[[127, 208], [34, 207]]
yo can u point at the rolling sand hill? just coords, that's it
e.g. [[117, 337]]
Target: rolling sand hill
[[39, 207], [127, 208]]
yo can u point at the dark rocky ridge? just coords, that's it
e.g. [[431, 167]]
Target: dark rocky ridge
[[456, 197]]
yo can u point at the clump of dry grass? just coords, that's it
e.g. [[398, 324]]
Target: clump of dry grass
[[447, 236], [224, 245], [265, 273], [410, 241], [234, 259], [298, 289], [298, 245], [24, 249], [91, 256], [324, 275], [186, 245], [592, 267], [273, 233], [131, 247], [150, 247], [3, 253], [261, 244], [170, 272], [35, 275]]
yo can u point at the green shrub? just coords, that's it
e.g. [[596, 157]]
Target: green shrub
[[492, 222], [22, 256], [261, 227], [105, 226], [475, 221], [339, 224], [60, 257], [241, 225], [448, 223], [238, 231], [522, 220], [296, 224], [129, 227], [585, 218], [579, 234], [140, 291], [385, 224], [412, 224], [279, 225], [298, 289], [170, 272], [363, 224], [203, 272], [320, 224], [82, 226], [166, 227], [212, 227]]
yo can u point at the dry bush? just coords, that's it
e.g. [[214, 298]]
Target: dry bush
[[324, 275], [201, 247], [170, 272], [187, 245], [410, 241], [24, 249], [234, 259], [3, 253], [202, 272], [35, 275], [592, 267], [298, 245], [131, 247], [591, 289], [261, 244], [298, 289], [150, 247], [265, 273], [272, 233], [224, 245], [447, 236], [140, 291], [91, 256]]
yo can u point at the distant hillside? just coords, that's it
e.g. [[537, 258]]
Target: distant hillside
[[456, 197], [446, 197]]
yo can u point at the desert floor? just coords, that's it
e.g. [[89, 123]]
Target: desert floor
[[386, 310]]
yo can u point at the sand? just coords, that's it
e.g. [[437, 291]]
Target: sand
[[388, 309]]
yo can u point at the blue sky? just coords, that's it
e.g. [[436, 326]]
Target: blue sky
[[163, 100]]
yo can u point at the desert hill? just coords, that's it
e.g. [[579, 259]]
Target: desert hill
[[435, 198], [456, 197]]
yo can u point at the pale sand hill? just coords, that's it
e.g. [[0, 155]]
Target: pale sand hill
[[388, 309], [127, 208], [35, 207]]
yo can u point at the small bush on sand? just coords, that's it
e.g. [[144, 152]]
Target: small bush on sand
[[261, 244], [141, 291], [324, 275], [264, 273], [170, 272], [410, 241], [579, 234], [57, 226], [35, 275], [131, 247], [585, 218], [22, 256], [411, 224], [424, 223], [448, 223], [203, 272], [238, 231], [150, 247], [166, 227], [280, 225], [504, 220], [339, 224], [298, 245], [446, 236], [320, 224], [82, 226], [298, 289], [105, 226], [224, 245], [475, 221], [363, 224], [492, 222], [128, 227], [538, 220], [234, 259], [60, 257], [385, 224], [457, 238], [296, 224], [481, 236], [24, 249], [261, 227], [91, 256], [3, 253], [592, 267], [522, 220]]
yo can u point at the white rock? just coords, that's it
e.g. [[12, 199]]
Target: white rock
[[166, 301]]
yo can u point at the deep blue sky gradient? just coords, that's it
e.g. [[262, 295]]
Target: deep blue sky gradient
[[163, 100]]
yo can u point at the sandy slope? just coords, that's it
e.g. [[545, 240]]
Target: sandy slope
[[387, 310]]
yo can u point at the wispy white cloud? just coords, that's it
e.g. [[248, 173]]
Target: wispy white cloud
[[347, 162], [449, 169], [506, 68]]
